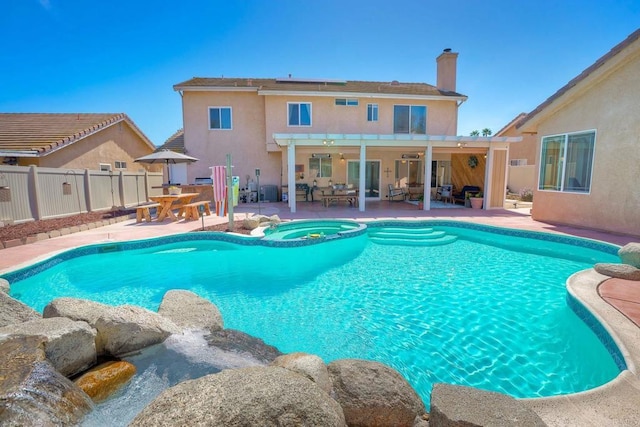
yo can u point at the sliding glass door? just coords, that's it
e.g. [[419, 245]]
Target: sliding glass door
[[372, 177]]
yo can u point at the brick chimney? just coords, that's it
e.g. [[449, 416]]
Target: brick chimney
[[447, 64]]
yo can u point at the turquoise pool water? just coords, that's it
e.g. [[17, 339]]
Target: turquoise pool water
[[473, 312]]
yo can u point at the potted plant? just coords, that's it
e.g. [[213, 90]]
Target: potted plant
[[174, 191], [476, 200], [421, 201]]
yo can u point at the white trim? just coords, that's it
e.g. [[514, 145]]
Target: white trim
[[215, 89], [376, 109], [310, 114], [220, 107], [267, 92], [564, 163], [394, 140]]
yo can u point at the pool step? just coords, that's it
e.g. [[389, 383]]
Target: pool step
[[404, 242], [404, 230], [409, 236], [419, 236]]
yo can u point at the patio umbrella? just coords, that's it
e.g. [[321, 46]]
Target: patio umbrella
[[167, 157]]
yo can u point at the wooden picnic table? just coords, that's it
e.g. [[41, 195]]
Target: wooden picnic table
[[330, 195], [168, 202]]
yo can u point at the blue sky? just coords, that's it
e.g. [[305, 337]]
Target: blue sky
[[126, 55]]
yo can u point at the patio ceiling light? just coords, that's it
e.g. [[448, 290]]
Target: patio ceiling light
[[328, 142], [462, 144]]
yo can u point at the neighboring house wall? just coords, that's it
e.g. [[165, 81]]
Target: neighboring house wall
[[524, 174], [605, 101], [115, 143]]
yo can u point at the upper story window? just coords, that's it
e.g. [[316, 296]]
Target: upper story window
[[219, 117], [372, 112], [299, 113], [410, 119], [566, 162], [352, 102], [120, 165]]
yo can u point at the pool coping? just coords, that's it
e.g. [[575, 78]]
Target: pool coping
[[614, 403]]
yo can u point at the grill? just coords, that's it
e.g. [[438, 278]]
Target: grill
[[203, 181]]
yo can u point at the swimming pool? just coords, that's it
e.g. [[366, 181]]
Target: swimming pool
[[488, 309]]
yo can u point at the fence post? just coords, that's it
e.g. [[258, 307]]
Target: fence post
[[121, 187], [146, 185], [87, 190], [35, 194]]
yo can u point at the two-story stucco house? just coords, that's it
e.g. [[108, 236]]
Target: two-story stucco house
[[368, 135], [588, 145]]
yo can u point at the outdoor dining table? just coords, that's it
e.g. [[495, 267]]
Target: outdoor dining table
[[168, 202]]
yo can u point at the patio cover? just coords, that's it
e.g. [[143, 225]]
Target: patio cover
[[426, 142]]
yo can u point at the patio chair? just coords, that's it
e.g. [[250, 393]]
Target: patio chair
[[397, 192]]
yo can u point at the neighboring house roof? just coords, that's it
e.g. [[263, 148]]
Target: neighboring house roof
[[39, 134], [582, 76], [317, 86], [511, 123], [174, 143]]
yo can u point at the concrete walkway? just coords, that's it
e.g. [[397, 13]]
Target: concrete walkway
[[614, 404]]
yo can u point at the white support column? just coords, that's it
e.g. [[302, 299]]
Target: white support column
[[428, 156], [488, 168], [362, 177], [291, 175]]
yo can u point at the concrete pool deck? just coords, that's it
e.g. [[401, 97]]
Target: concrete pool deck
[[615, 303]]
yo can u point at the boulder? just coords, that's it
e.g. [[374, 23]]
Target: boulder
[[275, 219], [120, 329], [618, 271], [32, 392], [68, 345], [4, 286], [630, 254], [75, 309], [454, 405], [251, 223], [103, 380], [13, 311], [128, 328], [239, 342], [190, 311], [257, 396], [309, 365], [373, 394]]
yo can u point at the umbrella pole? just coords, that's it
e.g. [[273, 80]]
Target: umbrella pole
[[168, 173]]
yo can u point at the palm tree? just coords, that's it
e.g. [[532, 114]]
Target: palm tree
[[486, 132], [474, 133]]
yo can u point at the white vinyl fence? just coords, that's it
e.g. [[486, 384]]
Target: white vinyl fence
[[30, 193]]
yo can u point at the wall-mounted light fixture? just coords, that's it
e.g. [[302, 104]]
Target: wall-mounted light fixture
[[341, 157]]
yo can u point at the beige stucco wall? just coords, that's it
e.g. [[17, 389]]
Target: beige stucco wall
[[245, 141], [330, 118], [256, 118], [610, 107], [115, 143]]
